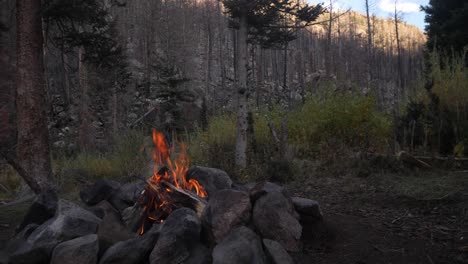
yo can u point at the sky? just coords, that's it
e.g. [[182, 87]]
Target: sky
[[409, 9]]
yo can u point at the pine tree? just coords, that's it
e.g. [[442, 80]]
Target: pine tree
[[447, 21]]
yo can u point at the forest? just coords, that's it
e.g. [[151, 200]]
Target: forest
[[233, 131]]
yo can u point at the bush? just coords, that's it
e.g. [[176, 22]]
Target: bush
[[126, 158], [325, 128], [439, 119]]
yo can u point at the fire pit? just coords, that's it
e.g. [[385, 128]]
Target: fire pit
[[168, 188], [178, 215]]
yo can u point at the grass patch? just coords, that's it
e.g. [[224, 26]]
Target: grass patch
[[127, 157], [9, 181]]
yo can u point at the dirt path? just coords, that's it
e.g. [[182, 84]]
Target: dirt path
[[366, 225]]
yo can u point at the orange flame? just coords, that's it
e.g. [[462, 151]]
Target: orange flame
[[166, 169]]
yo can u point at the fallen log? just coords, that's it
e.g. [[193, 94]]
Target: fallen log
[[407, 158]]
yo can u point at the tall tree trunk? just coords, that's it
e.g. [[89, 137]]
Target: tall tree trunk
[[241, 136], [369, 47], [400, 63], [33, 134], [84, 130], [328, 48]]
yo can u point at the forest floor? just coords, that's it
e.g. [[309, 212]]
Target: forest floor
[[366, 220]]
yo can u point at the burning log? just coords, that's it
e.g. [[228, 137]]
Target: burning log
[[180, 197], [168, 189]]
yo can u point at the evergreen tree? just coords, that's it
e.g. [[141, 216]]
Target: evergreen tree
[[447, 25], [269, 23]]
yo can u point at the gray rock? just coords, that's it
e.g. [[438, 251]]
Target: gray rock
[[79, 250], [132, 116], [131, 216], [226, 210], [132, 251], [276, 254], [69, 222], [242, 245], [263, 188], [59, 144], [42, 209], [111, 229], [274, 217], [180, 234], [126, 195], [211, 179], [307, 207], [99, 191]]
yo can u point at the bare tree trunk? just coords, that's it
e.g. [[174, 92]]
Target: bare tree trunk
[[33, 135], [400, 65], [115, 110], [328, 49], [209, 54], [369, 47], [66, 80], [241, 136], [84, 129]]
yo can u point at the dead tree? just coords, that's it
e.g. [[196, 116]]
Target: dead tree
[[33, 152]]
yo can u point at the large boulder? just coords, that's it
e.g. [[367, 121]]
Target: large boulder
[[259, 189], [307, 207], [99, 191], [275, 253], [111, 229], [226, 210], [69, 222], [126, 195], [42, 209], [77, 251], [179, 237], [211, 179], [132, 251], [242, 245], [274, 217]]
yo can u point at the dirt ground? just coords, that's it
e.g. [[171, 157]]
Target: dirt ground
[[365, 225]]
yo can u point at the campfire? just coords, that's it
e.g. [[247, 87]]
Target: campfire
[[168, 188], [177, 215]]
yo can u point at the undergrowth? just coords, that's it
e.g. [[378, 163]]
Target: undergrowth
[[321, 129], [127, 157]]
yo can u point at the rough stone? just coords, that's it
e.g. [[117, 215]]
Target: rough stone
[[69, 222], [226, 210], [307, 207], [211, 179], [180, 235], [99, 191], [79, 250], [275, 253], [126, 195], [132, 251], [263, 188], [111, 229], [274, 217], [42, 209], [242, 245]]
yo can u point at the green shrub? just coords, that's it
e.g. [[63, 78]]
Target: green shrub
[[337, 123], [319, 129], [125, 159]]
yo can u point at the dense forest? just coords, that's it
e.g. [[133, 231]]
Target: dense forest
[[328, 102]]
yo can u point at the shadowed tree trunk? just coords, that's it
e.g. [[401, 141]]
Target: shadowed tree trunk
[[241, 136], [33, 135]]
